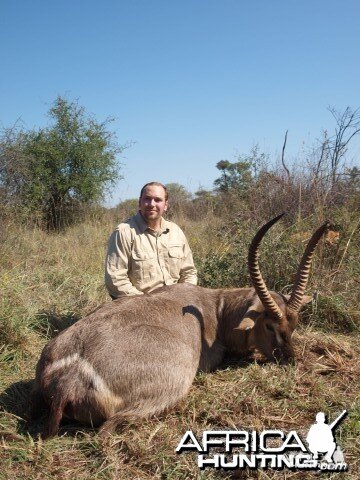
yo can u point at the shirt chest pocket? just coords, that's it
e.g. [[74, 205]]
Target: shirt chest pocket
[[142, 264], [175, 257]]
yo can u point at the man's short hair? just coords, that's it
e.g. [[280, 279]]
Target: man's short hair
[[156, 184]]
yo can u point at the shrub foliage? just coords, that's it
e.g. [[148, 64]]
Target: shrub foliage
[[52, 171]]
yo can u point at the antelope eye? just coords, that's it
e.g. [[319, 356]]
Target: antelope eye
[[270, 327]]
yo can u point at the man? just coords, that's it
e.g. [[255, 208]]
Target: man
[[320, 437], [147, 251]]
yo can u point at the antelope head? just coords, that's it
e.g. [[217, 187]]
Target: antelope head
[[273, 316]]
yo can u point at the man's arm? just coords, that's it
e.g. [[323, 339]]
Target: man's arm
[[188, 272], [117, 264]]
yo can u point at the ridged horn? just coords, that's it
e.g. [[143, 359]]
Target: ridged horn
[[302, 274], [254, 270]]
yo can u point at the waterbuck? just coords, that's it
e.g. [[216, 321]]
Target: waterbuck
[[137, 356]]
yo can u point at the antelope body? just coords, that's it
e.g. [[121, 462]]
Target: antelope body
[[137, 356]]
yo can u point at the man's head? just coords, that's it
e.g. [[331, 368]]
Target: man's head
[[153, 202], [320, 417]]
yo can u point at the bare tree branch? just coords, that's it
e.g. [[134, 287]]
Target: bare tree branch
[[282, 158]]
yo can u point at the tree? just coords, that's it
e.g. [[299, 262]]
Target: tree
[[237, 177], [56, 169], [126, 208], [327, 160], [347, 127], [178, 198], [234, 176]]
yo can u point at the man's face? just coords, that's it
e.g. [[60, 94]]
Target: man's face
[[152, 203]]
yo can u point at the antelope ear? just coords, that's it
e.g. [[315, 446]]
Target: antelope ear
[[252, 313], [306, 299], [246, 324]]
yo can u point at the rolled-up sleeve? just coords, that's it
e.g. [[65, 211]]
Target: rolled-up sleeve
[[117, 265]]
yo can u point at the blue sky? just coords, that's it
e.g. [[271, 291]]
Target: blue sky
[[188, 82]]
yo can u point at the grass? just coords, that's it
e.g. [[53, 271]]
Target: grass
[[48, 281]]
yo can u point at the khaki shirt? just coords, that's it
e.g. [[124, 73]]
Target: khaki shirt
[[140, 260]]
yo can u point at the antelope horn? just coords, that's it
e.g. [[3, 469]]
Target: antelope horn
[[302, 274], [254, 270]]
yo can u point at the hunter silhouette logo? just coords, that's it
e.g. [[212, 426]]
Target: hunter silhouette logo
[[273, 448], [321, 438]]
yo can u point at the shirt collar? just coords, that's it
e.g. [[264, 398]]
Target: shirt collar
[[143, 226]]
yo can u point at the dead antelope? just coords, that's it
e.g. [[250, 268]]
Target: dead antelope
[[137, 356]]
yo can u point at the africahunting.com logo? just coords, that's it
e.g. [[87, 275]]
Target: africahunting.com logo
[[238, 449]]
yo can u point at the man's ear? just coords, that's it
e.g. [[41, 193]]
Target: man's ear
[[166, 206]]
